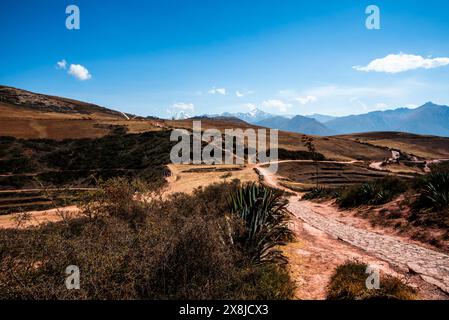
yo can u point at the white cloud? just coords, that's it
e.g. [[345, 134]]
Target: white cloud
[[306, 99], [293, 95], [79, 72], [344, 99], [395, 63], [277, 104], [61, 64], [214, 90], [183, 106], [241, 94]]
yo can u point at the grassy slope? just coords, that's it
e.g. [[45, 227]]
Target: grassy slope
[[419, 145], [331, 147], [34, 164]]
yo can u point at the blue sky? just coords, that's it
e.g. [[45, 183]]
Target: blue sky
[[285, 57]]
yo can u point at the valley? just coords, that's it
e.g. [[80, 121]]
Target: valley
[[56, 152]]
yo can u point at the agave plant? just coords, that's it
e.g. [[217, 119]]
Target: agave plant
[[266, 219], [436, 190]]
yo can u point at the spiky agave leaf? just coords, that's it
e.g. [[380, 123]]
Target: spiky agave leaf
[[436, 189], [266, 218]]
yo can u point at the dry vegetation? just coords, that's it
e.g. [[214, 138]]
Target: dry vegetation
[[132, 242], [303, 175], [68, 165], [428, 147], [186, 178], [330, 147], [349, 283], [142, 247]]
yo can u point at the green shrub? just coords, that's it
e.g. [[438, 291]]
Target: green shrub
[[374, 193], [264, 212], [434, 191], [442, 166], [349, 283], [80, 162], [320, 192], [431, 206], [284, 154]]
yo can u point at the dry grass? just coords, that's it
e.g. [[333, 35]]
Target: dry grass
[[302, 175], [432, 147], [331, 147], [133, 247], [69, 128], [349, 283], [185, 179]]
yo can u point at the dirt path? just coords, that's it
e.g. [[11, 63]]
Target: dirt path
[[430, 265], [37, 218]]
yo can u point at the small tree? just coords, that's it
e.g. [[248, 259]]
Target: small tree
[[308, 143]]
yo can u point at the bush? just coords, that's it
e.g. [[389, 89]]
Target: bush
[[319, 193], [374, 193], [349, 283], [442, 166], [182, 247], [434, 191], [284, 154], [266, 219], [79, 162], [431, 206]]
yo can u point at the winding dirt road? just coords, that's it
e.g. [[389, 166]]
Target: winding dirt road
[[430, 265]]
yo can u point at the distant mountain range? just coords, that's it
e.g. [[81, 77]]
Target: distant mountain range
[[252, 117], [321, 117], [430, 119], [297, 124], [181, 115]]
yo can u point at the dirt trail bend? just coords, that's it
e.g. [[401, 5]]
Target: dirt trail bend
[[431, 265]]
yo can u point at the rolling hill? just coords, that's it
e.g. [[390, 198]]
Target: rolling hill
[[424, 146], [24, 114], [22, 100]]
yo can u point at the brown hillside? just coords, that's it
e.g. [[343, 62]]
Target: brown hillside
[[36, 105], [331, 147], [24, 114], [419, 145]]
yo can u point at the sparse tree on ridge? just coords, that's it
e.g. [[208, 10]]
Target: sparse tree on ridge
[[308, 143]]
